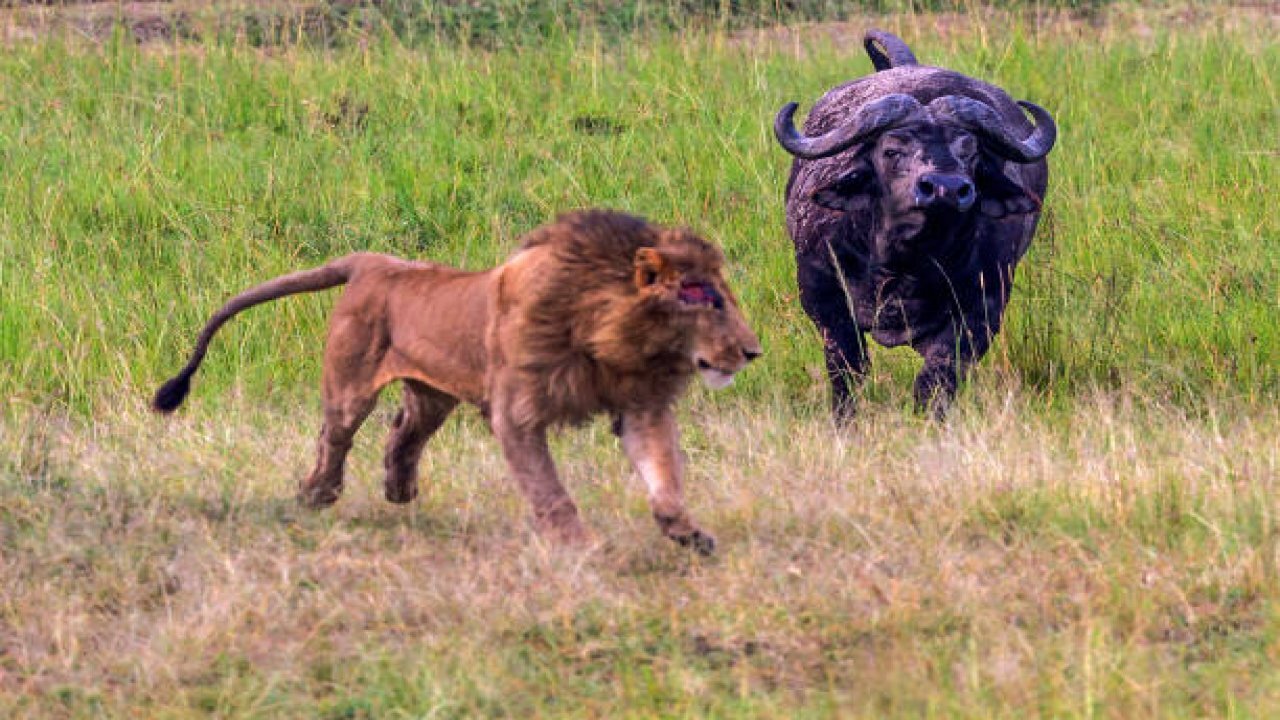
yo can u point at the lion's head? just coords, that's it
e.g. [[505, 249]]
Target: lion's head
[[612, 312], [682, 274]]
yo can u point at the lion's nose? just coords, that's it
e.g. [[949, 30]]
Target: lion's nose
[[751, 353]]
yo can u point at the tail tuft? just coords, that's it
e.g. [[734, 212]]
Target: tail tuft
[[172, 393]]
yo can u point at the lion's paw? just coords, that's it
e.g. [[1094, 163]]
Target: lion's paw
[[700, 542], [318, 498]]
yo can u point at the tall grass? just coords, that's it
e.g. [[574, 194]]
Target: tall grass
[[1091, 533], [488, 24], [1000, 565], [147, 185]]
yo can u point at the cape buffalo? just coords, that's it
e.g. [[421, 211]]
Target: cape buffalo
[[914, 193]]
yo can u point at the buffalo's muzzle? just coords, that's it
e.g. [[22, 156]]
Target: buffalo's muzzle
[[945, 190]]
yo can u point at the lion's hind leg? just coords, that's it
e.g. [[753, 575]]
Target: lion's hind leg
[[423, 411], [353, 355], [341, 420]]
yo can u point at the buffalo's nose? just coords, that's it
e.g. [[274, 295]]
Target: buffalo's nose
[[939, 188]]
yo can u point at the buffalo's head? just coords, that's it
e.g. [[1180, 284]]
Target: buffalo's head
[[921, 161]]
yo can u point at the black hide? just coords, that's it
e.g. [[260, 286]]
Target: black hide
[[912, 234]]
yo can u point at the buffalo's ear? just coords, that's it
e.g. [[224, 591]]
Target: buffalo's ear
[[840, 194], [999, 196], [649, 266]]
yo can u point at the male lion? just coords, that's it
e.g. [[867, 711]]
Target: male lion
[[597, 312]]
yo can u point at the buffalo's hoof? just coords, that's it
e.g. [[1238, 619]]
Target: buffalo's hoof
[[698, 541], [844, 414], [935, 409]]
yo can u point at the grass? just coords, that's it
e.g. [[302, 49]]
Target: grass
[[489, 24], [148, 184], [994, 566], [1091, 534]]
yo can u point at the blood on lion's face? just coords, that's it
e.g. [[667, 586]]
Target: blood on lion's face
[[723, 343]]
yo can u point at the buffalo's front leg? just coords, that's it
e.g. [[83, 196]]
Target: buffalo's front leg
[[947, 360], [531, 466], [651, 441], [935, 386], [825, 296]]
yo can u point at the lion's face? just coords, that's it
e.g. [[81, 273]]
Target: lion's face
[[722, 342], [686, 272]]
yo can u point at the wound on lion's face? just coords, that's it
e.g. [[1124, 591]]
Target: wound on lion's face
[[700, 294]]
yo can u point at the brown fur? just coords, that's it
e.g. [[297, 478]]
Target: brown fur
[[594, 314]]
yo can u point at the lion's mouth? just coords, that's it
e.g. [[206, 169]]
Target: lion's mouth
[[714, 377]]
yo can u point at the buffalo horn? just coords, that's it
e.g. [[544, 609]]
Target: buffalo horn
[[872, 118], [978, 118]]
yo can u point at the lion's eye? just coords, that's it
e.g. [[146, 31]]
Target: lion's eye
[[892, 154], [700, 294]]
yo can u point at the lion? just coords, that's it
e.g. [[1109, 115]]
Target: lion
[[598, 312]]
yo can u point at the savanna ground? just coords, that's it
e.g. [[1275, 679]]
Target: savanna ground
[[1092, 533]]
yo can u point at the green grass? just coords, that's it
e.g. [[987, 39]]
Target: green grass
[[1091, 534], [149, 184], [426, 23]]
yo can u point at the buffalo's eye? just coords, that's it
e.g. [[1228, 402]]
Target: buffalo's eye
[[965, 147]]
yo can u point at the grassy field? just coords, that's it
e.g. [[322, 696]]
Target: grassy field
[[1093, 532]]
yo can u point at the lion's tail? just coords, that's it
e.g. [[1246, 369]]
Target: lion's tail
[[172, 393]]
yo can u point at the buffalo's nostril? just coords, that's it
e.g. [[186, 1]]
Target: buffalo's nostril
[[949, 189], [751, 354]]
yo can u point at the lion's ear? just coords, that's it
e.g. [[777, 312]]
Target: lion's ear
[[649, 265]]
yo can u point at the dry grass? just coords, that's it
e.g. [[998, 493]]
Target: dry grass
[[1118, 559], [1092, 533], [1100, 25]]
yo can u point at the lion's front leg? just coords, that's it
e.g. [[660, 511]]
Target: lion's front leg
[[531, 466], [651, 440]]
